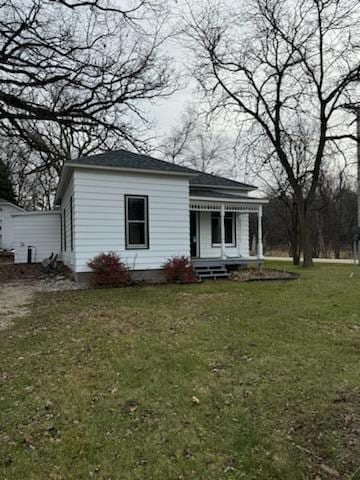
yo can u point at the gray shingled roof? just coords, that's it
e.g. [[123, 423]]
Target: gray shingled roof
[[208, 180], [3, 200], [125, 159], [207, 192], [130, 160]]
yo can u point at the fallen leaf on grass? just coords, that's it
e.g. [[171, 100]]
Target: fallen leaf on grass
[[130, 406], [330, 471]]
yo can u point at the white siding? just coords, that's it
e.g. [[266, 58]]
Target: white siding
[[7, 225], [68, 254], [99, 216], [39, 230], [242, 237]]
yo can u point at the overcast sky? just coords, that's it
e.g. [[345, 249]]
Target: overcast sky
[[167, 112]]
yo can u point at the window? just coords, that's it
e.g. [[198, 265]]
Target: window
[[71, 225], [229, 222], [136, 222], [64, 229]]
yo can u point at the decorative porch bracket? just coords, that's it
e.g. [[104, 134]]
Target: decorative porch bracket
[[216, 207]]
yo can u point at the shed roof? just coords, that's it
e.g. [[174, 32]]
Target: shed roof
[[4, 201]]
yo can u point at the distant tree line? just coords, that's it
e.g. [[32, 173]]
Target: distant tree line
[[333, 214]]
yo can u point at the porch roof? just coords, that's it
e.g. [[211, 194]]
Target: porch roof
[[216, 196]]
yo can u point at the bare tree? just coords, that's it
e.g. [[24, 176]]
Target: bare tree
[[334, 212], [274, 63], [79, 69], [333, 215], [195, 143], [264, 165], [176, 146]]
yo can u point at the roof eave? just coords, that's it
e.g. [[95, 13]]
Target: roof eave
[[248, 188], [12, 205], [127, 169], [36, 212], [62, 183]]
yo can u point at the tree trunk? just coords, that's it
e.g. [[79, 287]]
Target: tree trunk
[[294, 234], [306, 233], [306, 240], [295, 255], [295, 245]]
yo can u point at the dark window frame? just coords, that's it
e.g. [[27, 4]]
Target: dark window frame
[[146, 245], [233, 223]]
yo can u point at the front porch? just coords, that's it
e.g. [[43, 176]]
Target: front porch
[[215, 268], [219, 231]]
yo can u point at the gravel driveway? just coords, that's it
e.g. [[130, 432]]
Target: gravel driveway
[[16, 297], [15, 300]]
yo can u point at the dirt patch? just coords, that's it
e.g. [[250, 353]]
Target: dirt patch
[[16, 296], [6, 258], [12, 273], [340, 426], [14, 302], [255, 275]]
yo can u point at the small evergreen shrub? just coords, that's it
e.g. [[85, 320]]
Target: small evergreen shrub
[[109, 270], [179, 270]]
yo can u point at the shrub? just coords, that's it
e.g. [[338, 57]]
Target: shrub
[[109, 270], [179, 270]]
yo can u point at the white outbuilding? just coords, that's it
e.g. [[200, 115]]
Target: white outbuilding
[[7, 210]]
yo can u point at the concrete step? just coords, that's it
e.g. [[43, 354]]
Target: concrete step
[[209, 267], [213, 275], [211, 271]]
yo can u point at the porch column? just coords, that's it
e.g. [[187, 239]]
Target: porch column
[[222, 226], [239, 234], [260, 253]]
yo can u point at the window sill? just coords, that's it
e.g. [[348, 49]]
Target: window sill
[[228, 245]]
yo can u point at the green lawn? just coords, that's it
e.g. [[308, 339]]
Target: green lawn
[[100, 384]]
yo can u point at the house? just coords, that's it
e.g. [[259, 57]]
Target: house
[[7, 209], [146, 210]]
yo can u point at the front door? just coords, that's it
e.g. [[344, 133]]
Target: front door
[[194, 234]]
